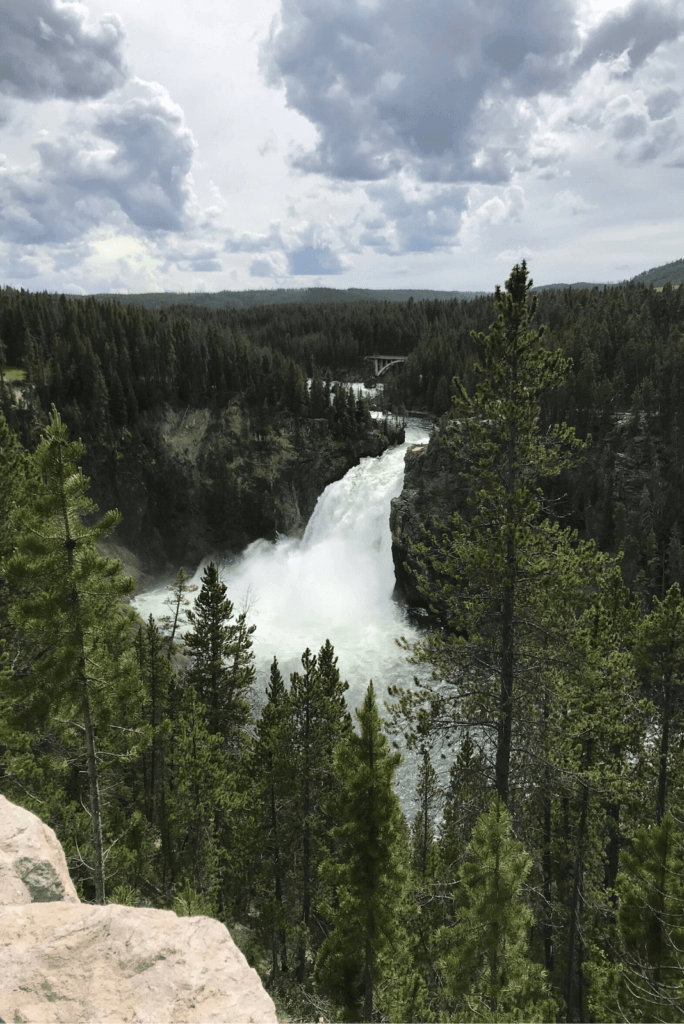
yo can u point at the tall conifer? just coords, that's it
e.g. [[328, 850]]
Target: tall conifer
[[368, 874], [66, 601]]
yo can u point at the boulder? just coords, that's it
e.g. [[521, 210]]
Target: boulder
[[33, 867], [62, 960]]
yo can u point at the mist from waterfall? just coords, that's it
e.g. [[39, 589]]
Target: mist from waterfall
[[335, 583]]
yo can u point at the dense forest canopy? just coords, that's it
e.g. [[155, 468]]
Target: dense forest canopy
[[541, 877], [109, 367]]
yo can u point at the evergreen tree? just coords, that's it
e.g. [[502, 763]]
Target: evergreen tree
[[66, 601], [319, 720], [178, 604], [202, 792], [660, 658], [644, 978], [222, 671], [368, 875], [484, 570], [487, 965], [272, 783], [159, 681]]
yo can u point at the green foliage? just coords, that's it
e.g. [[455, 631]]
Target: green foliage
[[189, 903], [177, 602], [221, 651], [125, 896], [66, 604], [505, 580], [486, 965], [647, 964], [203, 790], [367, 950]]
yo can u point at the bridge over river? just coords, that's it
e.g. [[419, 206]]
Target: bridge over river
[[382, 363]]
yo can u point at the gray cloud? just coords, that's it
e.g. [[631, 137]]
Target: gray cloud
[[417, 223], [401, 85], [308, 261], [125, 161], [47, 49], [309, 250], [663, 103], [641, 28]]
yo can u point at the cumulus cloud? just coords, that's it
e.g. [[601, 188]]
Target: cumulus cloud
[[639, 29], [307, 250], [412, 219], [308, 261], [395, 85], [481, 214], [48, 49], [126, 158], [271, 265]]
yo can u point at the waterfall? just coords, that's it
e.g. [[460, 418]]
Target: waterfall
[[335, 583]]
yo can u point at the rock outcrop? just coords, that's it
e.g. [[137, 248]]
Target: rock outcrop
[[197, 481], [33, 868], [63, 961], [432, 488]]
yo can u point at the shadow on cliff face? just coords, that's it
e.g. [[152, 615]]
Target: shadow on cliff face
[[193, 482]]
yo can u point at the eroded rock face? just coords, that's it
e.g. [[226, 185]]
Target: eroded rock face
[[432, 487], [33, 867], [63, 961], [203, 482]]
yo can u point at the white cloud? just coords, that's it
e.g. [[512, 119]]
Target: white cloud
[[504, 207], [391, 87], [126, 157], [48, 48]]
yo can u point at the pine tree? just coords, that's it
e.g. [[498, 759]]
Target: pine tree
[[368, 874], [202, 792], [485, 571], [319, 720], [66, 602], [160, 683], [487, 966], [660, 658], [648, 984], [272, 784], [178, 604], [222, 671]]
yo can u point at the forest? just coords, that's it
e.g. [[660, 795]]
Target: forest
[[542, 876]]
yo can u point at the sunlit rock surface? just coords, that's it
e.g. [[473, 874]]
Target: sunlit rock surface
[[63, 961], [33, 867]]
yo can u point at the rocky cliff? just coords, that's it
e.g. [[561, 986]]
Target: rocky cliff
[[432, 485], [196, 481], [62, 960]]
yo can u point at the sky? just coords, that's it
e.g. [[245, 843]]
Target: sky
[[175, 146]]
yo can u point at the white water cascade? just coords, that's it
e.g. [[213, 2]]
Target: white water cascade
[[335, 583]]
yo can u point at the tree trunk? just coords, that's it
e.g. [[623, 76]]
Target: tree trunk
[[368, 981], [547, 927], [664, 750], [573, 926], [95, 809], [505, 730]]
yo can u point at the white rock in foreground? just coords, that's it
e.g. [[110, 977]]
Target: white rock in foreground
[[33, 868], [63, 961]]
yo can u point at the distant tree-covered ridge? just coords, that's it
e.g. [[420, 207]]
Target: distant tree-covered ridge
[[281, 296], [669, 273]]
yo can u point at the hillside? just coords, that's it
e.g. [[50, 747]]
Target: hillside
[[672, 273], [281, 296]]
